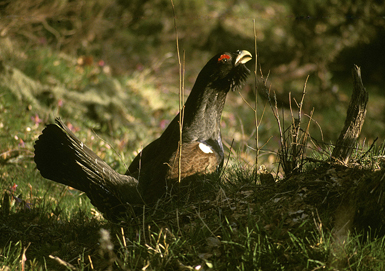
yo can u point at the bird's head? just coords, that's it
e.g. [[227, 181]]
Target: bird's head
[[226, 71]]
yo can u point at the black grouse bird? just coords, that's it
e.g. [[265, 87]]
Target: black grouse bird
[[60, 156]]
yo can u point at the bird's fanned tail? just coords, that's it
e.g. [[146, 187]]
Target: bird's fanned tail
[[60, 156]]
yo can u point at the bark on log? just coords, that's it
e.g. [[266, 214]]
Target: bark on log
[[354, 120]]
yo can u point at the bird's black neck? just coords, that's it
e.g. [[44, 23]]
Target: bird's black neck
[[202, 115]]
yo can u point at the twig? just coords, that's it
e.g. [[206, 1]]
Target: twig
[[24, 258], [302, 99], [204, 223], [368, 151], [319, 126], [274, 109], [293, 139], [112, 147], [256, 98], [91, 263], [228, 158], [181, 92], [64, 263]]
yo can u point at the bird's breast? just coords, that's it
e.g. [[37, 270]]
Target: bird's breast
[[196, 158]]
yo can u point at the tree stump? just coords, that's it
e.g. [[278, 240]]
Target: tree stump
[[354, 120]]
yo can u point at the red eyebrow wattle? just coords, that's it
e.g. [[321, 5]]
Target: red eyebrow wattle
[[223, 57]]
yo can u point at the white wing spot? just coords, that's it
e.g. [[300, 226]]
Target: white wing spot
[[205, 148]]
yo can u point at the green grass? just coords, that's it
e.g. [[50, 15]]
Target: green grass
[[231, 227], [206, 238]]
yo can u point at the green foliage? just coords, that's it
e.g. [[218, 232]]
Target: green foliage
[[10, 254]]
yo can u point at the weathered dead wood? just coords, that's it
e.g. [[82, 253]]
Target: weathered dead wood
[[354, 119]]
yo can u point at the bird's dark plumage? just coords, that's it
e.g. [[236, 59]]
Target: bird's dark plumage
[[61, 157]]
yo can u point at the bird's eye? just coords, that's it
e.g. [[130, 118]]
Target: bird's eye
[[223, 58]]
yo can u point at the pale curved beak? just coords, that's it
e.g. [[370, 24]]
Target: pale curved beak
[[243, 57]]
